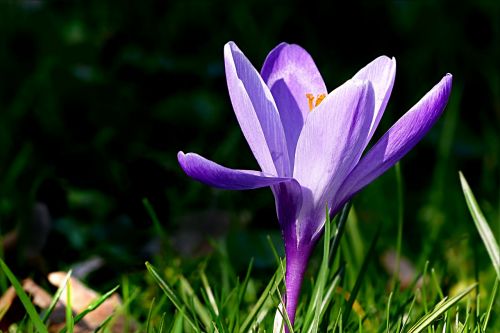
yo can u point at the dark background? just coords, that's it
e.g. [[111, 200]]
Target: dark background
[[97, 97]]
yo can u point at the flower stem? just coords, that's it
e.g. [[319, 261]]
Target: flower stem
[[296, 264]]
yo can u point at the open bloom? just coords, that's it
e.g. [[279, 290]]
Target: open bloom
[[309, 143]]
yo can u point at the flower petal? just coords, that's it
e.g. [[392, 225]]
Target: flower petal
[[288, 199], [329, 146], [398, 140], [213, 174], [256, 112], [290, 72], [381, 73]]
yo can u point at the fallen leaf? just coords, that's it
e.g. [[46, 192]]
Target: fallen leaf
[[81, 298], [11, 308]]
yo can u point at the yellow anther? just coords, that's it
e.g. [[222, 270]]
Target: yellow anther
[[310, 100], [319, 99]]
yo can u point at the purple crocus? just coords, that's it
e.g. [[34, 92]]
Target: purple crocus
[[309, 143]]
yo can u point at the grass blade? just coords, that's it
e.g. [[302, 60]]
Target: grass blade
[[438, 310], [148, 320], [209, 292], [340, 230], [194, 302], [3, 279], [91, 307], [399, 238], [361, 275], [270, 289], [162, 323], [56, 297], [95, 304], [156, 222], [388, 313], [104, 324], [170, 294], [178, 326], [492, 302], [25, 300], [70, 322], [481, 225]]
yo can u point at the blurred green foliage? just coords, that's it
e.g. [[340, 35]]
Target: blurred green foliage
[[97, 97]]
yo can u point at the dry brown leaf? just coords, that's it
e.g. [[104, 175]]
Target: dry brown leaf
[[39, 296], [7, 310], [11, 308], [81, 297]]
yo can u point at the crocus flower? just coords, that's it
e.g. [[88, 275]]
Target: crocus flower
[[309, 143]]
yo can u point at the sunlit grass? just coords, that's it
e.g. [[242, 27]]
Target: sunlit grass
[[326, 305], [344, 291]]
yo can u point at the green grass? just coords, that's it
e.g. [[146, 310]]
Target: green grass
[[334, 298], [132, 89], [34, 317], [345, 289], [482, 226], [91, 307], [325, 306], [56, 297]]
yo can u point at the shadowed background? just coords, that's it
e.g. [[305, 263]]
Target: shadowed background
[[97, 98]]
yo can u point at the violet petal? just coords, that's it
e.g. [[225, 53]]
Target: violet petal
[[296, 265], [329, 146], [381, 73], [256, 112], [288, 200], [213, 174], [398, 140], [290, 73]]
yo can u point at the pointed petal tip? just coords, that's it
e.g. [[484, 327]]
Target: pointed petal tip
[[390, 62], [228, 47], [386, 62], [447, 79], [386, 59], [180, 156], [294, 46], [187, 162], [282, 44], [445, 84]]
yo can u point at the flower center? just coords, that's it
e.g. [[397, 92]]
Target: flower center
[[310, 99]]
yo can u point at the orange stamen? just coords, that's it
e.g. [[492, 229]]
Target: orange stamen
[[319, 99], [310, 100]]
